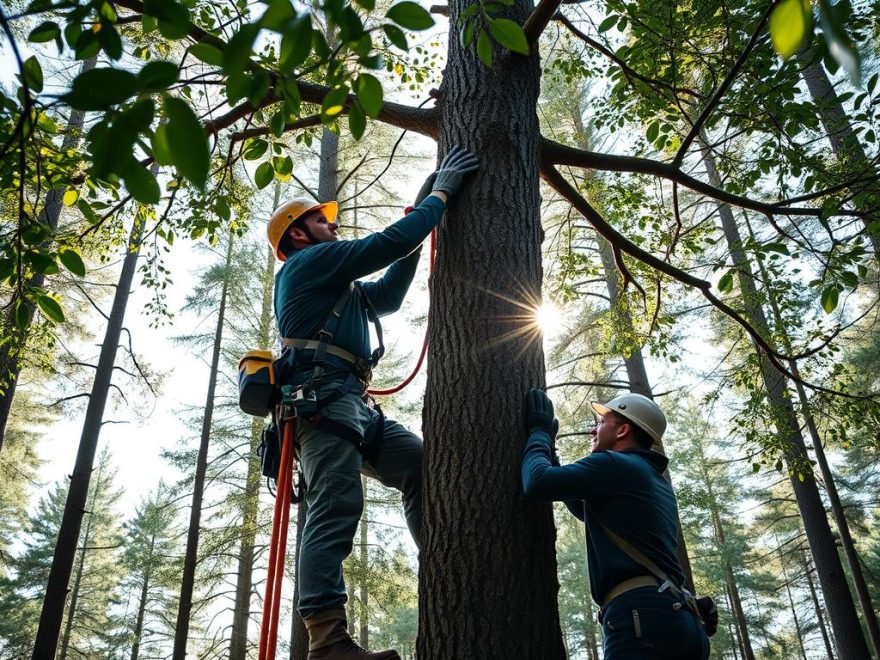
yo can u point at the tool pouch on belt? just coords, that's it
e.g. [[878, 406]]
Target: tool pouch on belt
[[258, 390], [269, 452]]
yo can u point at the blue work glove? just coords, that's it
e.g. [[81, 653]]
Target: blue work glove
[[539, 412], [426, 189], [454, 168]]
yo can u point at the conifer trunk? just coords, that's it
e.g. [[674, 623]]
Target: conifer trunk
[[487, 581], [817, 606], [184, 611], [842, 613], [142, 603], [52, 612]]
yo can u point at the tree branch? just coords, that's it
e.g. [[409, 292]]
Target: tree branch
[[537, 22]]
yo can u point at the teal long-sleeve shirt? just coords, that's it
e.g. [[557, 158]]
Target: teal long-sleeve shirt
[[313, 278], [623, 490]]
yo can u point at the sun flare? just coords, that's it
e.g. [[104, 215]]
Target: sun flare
[[549, 319]]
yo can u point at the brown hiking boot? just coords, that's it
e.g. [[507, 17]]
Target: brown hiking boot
[[329, 639], [348, 649]]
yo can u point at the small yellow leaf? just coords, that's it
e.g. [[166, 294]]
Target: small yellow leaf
[[70, 197], [790, 26]]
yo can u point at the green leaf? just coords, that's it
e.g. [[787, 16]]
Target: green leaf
[[33, 74], [369, 5], [141, 184], [237, 54], [395, 36], [277, 14], [725, 284], [779, 248], [207, 54], [50, 308], [41, 262], [187, 142], [653, 131], [172, 17], [72, 262], [410, 15], [369, 93], [264, 175], [484, 48], [22, 315], [161, 149], [468, 11], [849, 278], [832, 18], [99, 89], [296, 44], [467, 34], [87, 211], [357, 121], [156, 76], [276, 124], [829, 299], [509, 34], [790, 25], [756, 467], [608, 23], [45, 31], [283, 165], [334, 102], [255, 149]]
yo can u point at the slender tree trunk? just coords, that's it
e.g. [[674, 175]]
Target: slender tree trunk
[[363, 615], [299, 636], [730, 577], [869, 616], [797, 624], [142, 603], [184, 611], [842, 611], [844, 142], [590, 631], [10, 351], [74, 593], [487, 584], [820, 618], [737, 638], [65, 548]]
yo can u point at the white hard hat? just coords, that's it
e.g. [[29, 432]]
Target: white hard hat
[[638, 409]]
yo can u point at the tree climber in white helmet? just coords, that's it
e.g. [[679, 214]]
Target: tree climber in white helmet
[[322, 312], [631, 522]]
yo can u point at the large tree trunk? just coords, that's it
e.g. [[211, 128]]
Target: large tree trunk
[[184, 610], [487, 581], [10, 351], [59, 575], [842, 611]]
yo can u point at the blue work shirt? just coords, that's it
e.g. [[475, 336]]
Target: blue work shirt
[[623, 490], [313, 278]]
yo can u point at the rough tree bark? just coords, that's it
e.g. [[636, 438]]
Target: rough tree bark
[[487, 582], [10, 351], [842, 612], [65, 548], [184, 610]]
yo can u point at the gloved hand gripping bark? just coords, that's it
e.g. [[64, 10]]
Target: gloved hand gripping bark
[[539, 412], [453, 169]]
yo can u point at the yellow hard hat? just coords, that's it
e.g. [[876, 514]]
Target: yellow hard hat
[[287, 213]]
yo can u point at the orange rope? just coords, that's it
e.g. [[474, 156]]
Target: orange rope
[[424, 351]]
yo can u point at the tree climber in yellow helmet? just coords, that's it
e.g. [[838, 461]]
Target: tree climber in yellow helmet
[[322, 311]]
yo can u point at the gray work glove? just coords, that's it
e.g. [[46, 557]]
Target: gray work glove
[[426, 189], [539, 412], [454, 168]]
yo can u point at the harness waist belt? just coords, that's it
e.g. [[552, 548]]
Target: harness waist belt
[[628, 585], [312, 345]]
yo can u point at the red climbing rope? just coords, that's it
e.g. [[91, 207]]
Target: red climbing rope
[[277, 547], [424, 351]]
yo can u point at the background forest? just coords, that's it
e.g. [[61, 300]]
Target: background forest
[[768, 379]]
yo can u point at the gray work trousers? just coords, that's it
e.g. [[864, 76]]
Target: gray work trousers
[[332, 467]]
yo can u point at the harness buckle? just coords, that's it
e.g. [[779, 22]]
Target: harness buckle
[[325, 336]]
